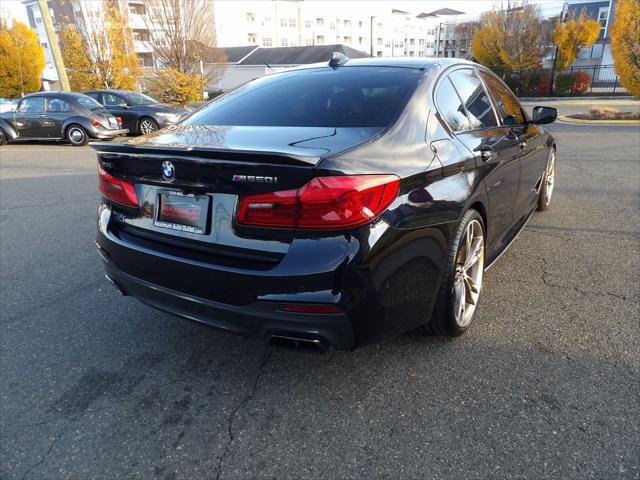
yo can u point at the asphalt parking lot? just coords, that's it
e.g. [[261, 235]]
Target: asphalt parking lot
[[545, 385]]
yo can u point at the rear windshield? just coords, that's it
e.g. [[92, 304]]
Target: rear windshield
[[346, 97]]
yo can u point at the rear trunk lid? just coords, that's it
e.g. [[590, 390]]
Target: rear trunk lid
[[218, 164]]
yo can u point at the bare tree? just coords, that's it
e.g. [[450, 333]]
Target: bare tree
[[183, 34]]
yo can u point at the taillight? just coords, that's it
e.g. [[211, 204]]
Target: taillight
[[323, 203], [95, 123], [119, 120], [117, 190]]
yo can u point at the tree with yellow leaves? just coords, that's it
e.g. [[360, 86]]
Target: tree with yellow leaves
[[21, 60], [98, 52], [625, 44], [80, 70], [175, 87], [510, 38], [572, 36]]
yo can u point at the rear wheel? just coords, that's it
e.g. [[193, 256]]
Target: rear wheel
[[462, 279], [147, 125], [548, 181], [3, 137], [77, 135]]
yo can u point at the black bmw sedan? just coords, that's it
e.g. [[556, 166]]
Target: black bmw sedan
[[64, 116], [140, 113], [328, 206]]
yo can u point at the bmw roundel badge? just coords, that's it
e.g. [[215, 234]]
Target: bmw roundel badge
[[168, 170]]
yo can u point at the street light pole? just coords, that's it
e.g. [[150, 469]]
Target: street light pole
[[53, 43]]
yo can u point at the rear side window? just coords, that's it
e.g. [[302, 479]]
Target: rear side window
[[57, 105], [506, 103], [474, 98], [346, 97], [451, 108], [30, 105]]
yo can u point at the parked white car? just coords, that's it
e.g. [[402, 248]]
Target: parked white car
[[7, 105]]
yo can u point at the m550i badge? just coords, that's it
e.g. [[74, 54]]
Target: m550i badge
[[254, 179]]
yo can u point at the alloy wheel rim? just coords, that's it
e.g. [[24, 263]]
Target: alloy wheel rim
[[147, 126], [468, 274], [76, 135], [549, 177]]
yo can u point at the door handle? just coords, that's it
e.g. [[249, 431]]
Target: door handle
[[522, 145]]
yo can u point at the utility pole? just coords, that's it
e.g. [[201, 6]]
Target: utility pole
[[53, 43], [371, 36]]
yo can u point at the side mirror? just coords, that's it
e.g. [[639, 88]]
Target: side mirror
[[542, 115]]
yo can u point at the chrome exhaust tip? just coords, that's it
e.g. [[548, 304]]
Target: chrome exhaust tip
[[310, 345]]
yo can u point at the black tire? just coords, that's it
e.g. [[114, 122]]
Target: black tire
[[76, 135], [546, 189], [3, 138], [443, 321], [148, 124]]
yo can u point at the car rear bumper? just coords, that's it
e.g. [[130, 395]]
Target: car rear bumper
[[104, 134], [383, 283]]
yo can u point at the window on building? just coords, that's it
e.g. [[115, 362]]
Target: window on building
[[38, 19], [347, 23], [379, 53], [332, 26], [475, 99], [141, 35], [360, 24], [251, 17], [347, 40], [379, 25], [307, 24], [380, 41], [508, 107], [145, 59], [283, 22], [267, 20], [320, 21], [137, 9], [252, 37], [603, 15], [267, 42], [360, 40], [412, 42], [308, 42], [320, 39], [45, 45], [284, 42], [411, 53], [292, 22]]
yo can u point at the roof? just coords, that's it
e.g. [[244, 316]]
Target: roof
[[395, 62], [446, 11], [55, 92], [235, 54], [424, 15], [298, 55]]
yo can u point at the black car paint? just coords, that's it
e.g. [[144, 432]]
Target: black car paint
[[385, 275], [47, 125], [132, 114]]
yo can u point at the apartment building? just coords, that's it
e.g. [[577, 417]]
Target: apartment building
[[379, 31]]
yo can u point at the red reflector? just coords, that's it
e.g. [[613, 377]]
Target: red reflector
[[117, 190], [95, 123], [323, 203], [317, 309]]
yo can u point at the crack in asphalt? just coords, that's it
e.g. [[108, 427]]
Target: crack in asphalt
[[546, 273], [44, 457], [236, 410]]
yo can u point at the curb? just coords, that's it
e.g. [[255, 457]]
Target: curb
[[626, 100], [567, 103], [598, 122]]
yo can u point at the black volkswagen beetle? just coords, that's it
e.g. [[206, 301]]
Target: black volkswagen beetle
[[140, 113], [328, 206], [73, 117]]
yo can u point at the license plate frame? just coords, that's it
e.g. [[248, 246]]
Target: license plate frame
[[182, 212]]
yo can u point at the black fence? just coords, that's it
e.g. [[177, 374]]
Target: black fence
[[593, 80]]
